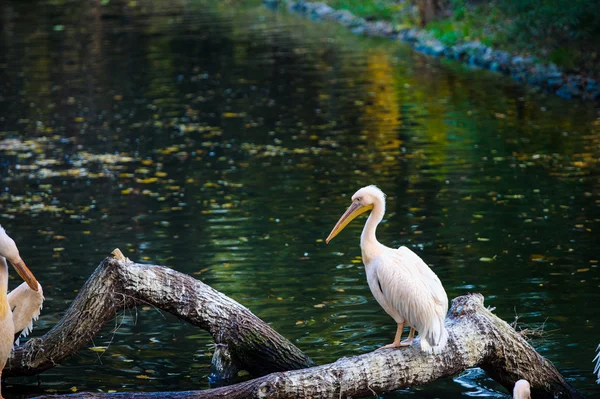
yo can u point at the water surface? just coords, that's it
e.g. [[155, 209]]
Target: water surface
[[225, 140]]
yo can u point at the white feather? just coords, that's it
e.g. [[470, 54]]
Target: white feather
[[405, 287], [409, 291], [597, 367], [522, 390], [26, 305]]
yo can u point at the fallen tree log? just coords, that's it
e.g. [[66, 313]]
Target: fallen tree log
[[118, 283], [477, 339]]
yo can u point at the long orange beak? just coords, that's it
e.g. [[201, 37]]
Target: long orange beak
[[353, 211], [26, 274]]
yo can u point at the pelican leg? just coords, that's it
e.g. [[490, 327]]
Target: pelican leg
[[396, 342], [408, 341]]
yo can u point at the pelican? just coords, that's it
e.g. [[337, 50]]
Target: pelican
[[522, 390], [597, 367], [22, 306], [405, 287]]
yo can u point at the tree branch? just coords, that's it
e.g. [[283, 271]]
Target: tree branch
[[118, 283], [477, 339]]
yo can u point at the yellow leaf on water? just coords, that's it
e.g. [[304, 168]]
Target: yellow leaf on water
[[99, 349], [142, 377], [585, 269], [537, 257], [486, 259], [147, 180]]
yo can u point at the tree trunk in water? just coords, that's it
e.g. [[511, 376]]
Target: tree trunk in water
[[477, 339], [429, 10]]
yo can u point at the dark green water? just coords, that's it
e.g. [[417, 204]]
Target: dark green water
[[225, 141]]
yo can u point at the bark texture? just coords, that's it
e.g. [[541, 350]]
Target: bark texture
[[477, 338], [118, 283]]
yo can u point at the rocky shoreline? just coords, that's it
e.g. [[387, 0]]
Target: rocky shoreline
[[523, 69]]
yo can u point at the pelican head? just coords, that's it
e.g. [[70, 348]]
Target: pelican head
[[362, 201], [9, 250], [522, 390]]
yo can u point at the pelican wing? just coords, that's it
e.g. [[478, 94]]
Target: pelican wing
[[26, 305], [597, 367], [427, 275], [413, 290]]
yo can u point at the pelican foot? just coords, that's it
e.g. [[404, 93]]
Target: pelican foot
[[395, 345], [407, 342]]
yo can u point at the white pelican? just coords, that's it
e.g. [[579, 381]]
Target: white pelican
[[22, 306], [522, 390], [597, 367], [405, 287]]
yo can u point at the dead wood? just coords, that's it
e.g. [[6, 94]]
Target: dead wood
[[477, 339], [118, 284]]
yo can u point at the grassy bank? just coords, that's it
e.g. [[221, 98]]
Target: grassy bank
[[563, 32]]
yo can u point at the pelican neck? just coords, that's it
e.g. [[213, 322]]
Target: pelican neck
[[368, 234]]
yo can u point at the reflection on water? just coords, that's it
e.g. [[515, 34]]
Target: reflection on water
[[226, 141]]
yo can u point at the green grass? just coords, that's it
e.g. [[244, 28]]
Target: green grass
[[378, 9], [386, 10], [467, 23], [564, 32]]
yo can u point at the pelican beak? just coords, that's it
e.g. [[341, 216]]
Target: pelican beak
[[355, 209], [26, 274]]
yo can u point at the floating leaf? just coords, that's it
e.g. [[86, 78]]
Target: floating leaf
[[148, 180], [99, 349]]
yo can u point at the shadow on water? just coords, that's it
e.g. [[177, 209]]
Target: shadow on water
[[225, 140]]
